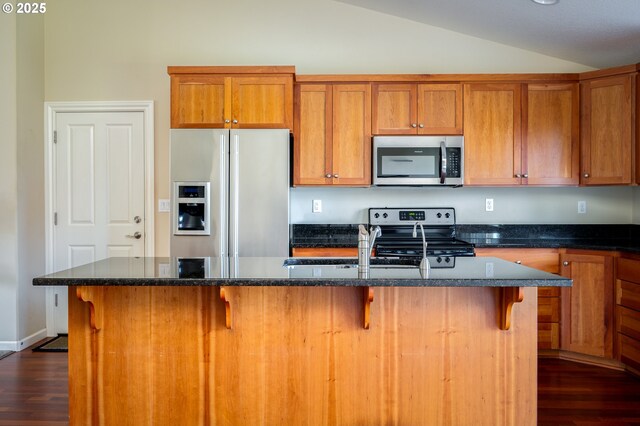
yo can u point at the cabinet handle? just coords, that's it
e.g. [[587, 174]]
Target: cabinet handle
[[518, 175], [421, 126], [336, 176], [226, 121], [235, 121], [565, 263], [586, 175], [414, 125], [328, 175], [525, 175], [519, 262]]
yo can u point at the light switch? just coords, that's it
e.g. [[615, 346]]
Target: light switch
[[164, 206], [317, 206]]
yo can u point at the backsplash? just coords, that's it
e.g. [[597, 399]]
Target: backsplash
[[524, 205]]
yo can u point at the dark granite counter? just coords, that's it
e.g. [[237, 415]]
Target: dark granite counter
[[271, 271], [587, 237]]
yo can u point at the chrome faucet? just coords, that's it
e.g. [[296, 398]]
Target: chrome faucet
[[366, 240], [425, 267]]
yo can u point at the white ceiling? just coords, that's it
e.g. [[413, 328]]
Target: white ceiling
[[596, 33]]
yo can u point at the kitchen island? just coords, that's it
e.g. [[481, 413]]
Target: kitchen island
[[278, 341]]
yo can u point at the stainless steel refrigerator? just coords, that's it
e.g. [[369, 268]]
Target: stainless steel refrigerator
[[229, 192]]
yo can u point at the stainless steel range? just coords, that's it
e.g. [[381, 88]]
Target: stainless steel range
[[397, 240]]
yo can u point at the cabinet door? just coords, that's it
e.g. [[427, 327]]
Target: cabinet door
[[394, 109], [312, 157], [550, 129], [492, 134], [440, 109], [200, 101], [587, 306], [607, 130], [351, 130], [262, 102]]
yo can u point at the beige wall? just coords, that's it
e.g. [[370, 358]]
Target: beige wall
[[119, 50], [636, 205], [8, 178]]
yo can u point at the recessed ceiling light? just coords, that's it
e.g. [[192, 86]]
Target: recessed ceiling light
[[546, 2]]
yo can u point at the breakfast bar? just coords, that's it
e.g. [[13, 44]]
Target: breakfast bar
[[219, 341]]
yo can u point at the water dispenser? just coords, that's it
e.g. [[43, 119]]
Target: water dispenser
[[191, 208]]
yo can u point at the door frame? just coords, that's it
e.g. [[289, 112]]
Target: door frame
[[50, 111]]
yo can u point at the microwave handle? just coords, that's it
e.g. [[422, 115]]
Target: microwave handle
[[443, 161]]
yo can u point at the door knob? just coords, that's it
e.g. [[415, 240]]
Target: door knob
[[328, 175], [586, 175], [235, 121], [137, 219], [135, 235], [414, 125], [421, 126], [565, 263]]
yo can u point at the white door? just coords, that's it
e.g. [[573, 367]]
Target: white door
[[98, 192]]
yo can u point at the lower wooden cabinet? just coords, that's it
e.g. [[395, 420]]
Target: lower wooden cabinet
[[628, 311], [547, 260], [587, 307]]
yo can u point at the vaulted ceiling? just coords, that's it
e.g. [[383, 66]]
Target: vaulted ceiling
[[595, 33]]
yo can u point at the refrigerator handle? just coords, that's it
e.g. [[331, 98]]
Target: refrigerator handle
[[223, 178], [235, 193]]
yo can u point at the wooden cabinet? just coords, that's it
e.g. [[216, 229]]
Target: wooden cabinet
[[608, 121], [232, 97], [332, 143], [492, 133], [417, 109], [521, 134], [628, 311], [550, 134], [548, 297], [587, 306]]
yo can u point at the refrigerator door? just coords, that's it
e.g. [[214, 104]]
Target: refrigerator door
[[259, 193], [201, 155]]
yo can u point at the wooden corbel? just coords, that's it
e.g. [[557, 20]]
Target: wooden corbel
[[94, 296], [507, 296]]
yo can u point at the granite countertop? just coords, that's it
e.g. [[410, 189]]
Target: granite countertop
[[278, 271], [588, 237]]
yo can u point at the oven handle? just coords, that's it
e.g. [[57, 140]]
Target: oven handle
[[443, 161]]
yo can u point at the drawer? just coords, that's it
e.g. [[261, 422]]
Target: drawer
[[544, 259], [628, 294], [548, 309], [548, 291], [324, 252], [629, 270], [549, 336], [629, 322], [630, 351]]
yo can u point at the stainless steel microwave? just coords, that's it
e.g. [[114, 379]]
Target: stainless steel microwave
[[418, 160]]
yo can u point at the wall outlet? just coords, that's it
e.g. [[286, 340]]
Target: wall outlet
[[488, 204], [317, 206], [582, 207], [164, 206]]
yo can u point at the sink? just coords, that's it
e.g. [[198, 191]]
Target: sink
[[350, 262]]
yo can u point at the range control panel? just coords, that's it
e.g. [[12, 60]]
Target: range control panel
[[409, 216]]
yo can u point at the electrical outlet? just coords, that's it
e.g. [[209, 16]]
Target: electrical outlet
[[317, 206], [582, 207], [488, 204]]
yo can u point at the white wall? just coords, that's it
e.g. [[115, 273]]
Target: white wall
[[8, 179], [511, 205], [119, 50]]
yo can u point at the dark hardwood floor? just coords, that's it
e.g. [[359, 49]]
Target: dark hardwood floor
[[33, 392]]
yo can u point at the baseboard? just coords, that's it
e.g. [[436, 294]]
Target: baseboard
[[582, 358], [23, 343]]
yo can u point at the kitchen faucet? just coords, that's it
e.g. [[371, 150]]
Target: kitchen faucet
[[425, 267], [365, 247]]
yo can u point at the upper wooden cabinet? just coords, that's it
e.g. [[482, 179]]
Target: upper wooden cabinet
[[492, 135], [332, 143], [521, 134], [550, 134], [417, 109], [608, 121], [232, 97]]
